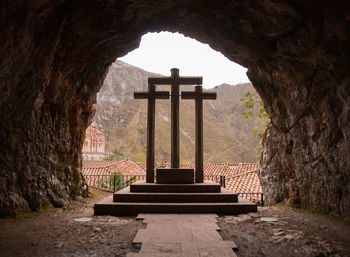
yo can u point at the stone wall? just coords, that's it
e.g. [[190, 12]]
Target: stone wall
[[55, 54]]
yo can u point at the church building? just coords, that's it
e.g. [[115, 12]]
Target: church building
[[94, 144]]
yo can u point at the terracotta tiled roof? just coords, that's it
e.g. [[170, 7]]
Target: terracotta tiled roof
[[125, 167], [239, 177], [142, 165], [245, 183], [96, 164], [101, 170], [228, 169], [220, 169]]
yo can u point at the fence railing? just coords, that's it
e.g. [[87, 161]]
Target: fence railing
[[116, 182], [215, 178], [255, 197], [113, 182]]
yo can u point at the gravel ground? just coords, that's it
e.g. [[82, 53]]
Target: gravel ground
[[56, 233], [295, 233]]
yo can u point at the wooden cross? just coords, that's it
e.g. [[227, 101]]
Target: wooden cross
[[199, 96], [151, 95], [175, 81]]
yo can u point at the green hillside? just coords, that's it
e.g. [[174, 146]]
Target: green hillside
[[228, 136]]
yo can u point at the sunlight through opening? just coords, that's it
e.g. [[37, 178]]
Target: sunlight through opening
[[159, 52]]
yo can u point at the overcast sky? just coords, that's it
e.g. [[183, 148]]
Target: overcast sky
[[159, 52]]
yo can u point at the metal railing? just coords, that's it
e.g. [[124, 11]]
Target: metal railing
[[255, 197], [215, 178], [115, 182]]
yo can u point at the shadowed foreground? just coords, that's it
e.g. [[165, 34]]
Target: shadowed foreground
[[56, 233]]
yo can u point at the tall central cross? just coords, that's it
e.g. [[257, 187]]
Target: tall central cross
[[175, 81], [151, 95], [199, 96]]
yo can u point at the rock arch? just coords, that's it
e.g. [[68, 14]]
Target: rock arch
[[54, 55]]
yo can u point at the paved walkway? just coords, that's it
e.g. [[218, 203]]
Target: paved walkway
[[173, 235]]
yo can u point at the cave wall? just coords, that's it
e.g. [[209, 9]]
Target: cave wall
[[306, 90], [55, 54], [307, 148]]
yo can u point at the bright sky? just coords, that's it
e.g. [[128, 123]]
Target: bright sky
[[159, 52]]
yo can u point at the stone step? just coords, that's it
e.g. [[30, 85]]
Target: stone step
[[206, 187], [125, 195], [156, 255], [217, 252], [186, 248], [151, 247], [108, 207]]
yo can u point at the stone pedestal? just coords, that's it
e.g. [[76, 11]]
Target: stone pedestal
[[143, 197], [174, 176]]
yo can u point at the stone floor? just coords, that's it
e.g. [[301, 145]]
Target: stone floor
[[190, 235]]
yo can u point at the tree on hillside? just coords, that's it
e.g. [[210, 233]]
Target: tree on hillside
[[255, 109]]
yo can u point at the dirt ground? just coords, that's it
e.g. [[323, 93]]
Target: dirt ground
[[296, 233], [55, 232]]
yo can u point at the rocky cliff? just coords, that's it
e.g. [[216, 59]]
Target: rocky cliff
[[55, 54]]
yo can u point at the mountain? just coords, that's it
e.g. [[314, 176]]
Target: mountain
[[228, 136]]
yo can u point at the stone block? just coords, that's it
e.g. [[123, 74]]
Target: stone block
[[174, 176]]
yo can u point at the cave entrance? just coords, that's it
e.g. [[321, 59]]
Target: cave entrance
[[231, 147], [61, 51], [228, 134]]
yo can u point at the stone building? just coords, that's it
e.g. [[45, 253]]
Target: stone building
[[94, 144]]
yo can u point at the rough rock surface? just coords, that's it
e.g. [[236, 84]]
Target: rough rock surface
[[276, 231], [54, 55]]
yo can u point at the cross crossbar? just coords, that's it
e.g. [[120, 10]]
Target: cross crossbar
[[154, 94], [176, 80], [200, 95]]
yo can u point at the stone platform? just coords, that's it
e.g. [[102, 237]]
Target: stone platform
[[207, 187], [142, 197]]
